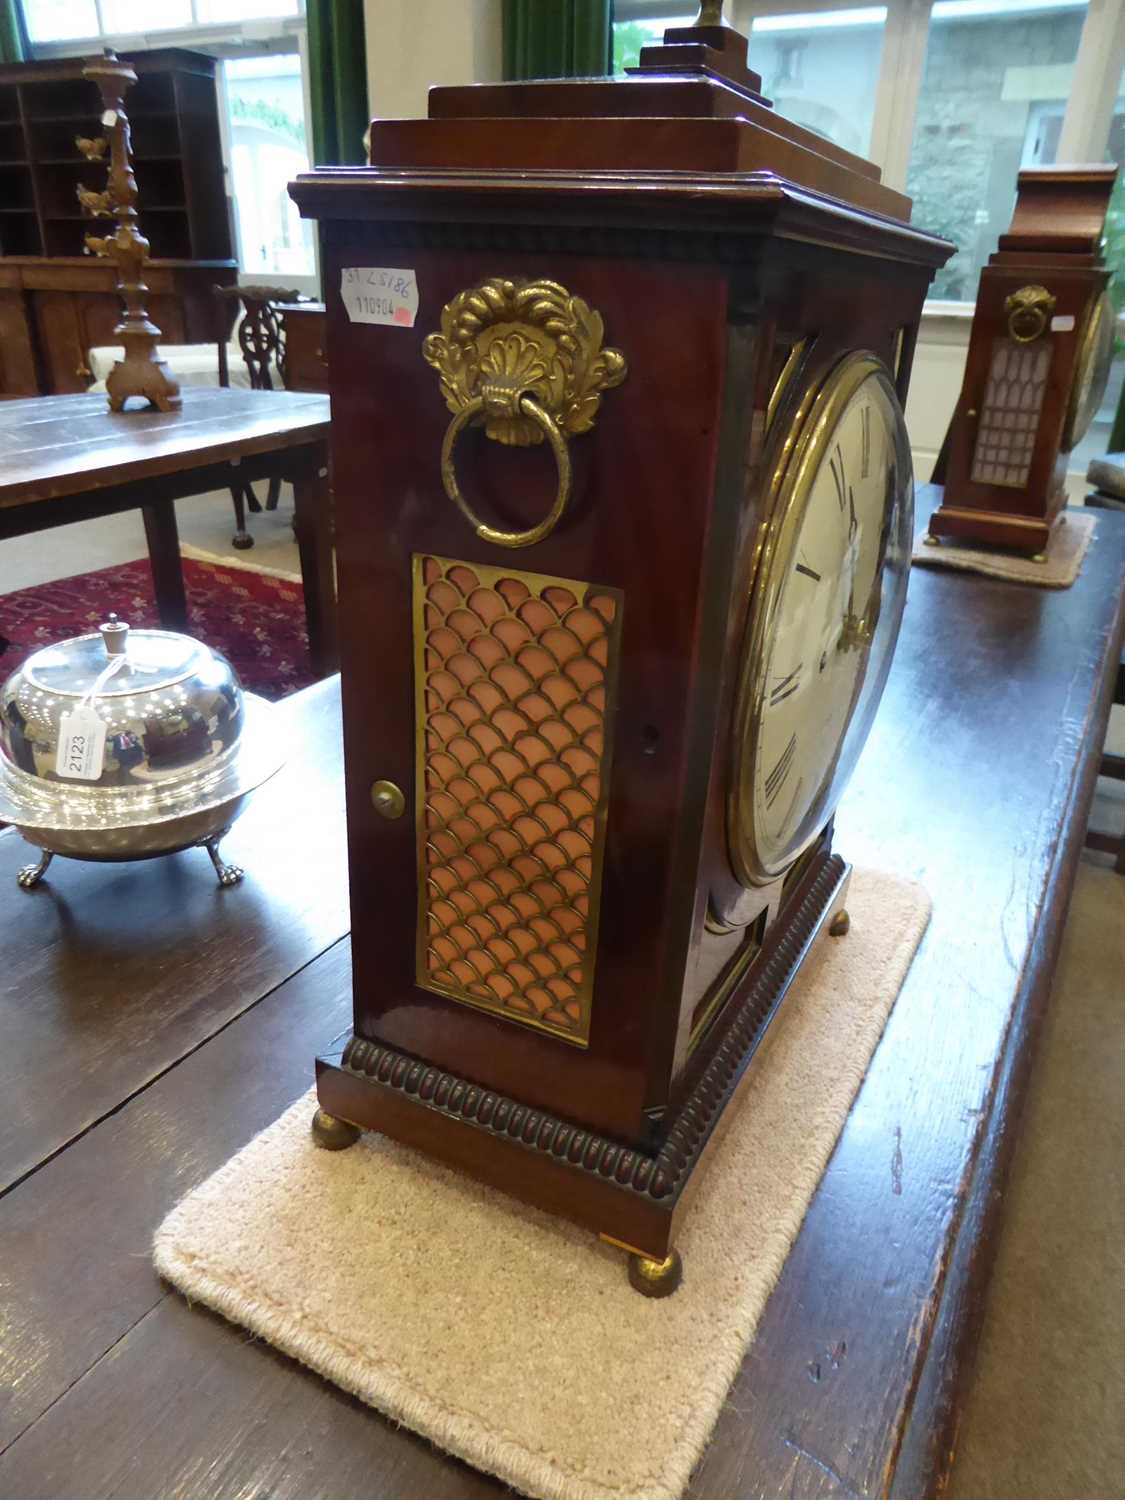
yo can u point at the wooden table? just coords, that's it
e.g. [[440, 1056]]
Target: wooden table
[[152, 1023], [69, 458]]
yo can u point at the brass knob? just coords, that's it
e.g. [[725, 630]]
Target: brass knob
[[387, 799], [84, 372]]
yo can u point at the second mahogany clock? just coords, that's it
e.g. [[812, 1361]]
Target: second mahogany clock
[[623, 508], [1038, 362]]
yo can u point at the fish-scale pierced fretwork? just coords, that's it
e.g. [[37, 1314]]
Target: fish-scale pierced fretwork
[[512, 675]]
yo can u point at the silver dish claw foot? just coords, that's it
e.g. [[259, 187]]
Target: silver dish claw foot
[[228, 874], [30, 876]]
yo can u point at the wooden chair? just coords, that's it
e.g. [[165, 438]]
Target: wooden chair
[[1107, 478], [261, 337]]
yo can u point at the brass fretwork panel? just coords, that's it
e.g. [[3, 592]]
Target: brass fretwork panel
[[1017, 383], [514, 676]]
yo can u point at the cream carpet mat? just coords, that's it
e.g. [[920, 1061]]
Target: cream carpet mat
[[1065, 551], [506, 1336]]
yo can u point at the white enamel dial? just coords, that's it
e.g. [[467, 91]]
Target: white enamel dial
[[824, 617]]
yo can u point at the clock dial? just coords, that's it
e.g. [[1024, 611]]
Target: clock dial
[[1092, 374], [824, 616]]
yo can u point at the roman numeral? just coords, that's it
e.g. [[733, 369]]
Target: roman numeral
[[836, 464], [786, 686], [776, 778], [808, 572], [865, 465]]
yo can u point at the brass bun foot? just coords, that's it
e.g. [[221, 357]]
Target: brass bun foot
[[841, 925], [331, 1133], [931, 541], [656, 1278], [1039, 557]]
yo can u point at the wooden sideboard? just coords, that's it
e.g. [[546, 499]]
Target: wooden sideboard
[[53, 311]]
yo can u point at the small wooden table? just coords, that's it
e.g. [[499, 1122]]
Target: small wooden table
[[69, 458], [151, 1023]]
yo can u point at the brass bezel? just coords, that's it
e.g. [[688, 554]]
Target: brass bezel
[[1099, 323], [781, 384], [801, 455]]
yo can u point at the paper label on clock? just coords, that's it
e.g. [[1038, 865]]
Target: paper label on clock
[[81, 745], [1062, 323], [380, 294]]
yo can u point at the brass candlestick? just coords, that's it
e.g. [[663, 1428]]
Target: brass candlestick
[[141, 372]]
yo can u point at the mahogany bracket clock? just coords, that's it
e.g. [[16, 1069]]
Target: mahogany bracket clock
[[1038, 362], [623, 515]]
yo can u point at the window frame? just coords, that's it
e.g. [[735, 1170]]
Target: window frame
[[195, 32], [1089, 105]]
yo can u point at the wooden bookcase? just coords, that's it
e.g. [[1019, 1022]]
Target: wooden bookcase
[[176, 150], [57, 301]]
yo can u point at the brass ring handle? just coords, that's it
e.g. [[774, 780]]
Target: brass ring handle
[[551, 431], [1028, 310], [525, 359]]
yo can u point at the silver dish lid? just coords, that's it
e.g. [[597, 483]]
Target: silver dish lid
[[180, 735]]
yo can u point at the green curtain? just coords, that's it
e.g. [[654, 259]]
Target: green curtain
[[14, 46], [337, 81], [558, 38]]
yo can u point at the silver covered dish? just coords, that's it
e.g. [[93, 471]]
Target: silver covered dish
[[184, 747]]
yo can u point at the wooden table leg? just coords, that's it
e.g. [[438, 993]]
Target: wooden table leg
[[164, 556], [312, 504]]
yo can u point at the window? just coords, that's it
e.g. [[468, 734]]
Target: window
[[633, 33], [821, 69], [80, 20], [1096, 441], [56, 20], [994, 90], [268, 147]]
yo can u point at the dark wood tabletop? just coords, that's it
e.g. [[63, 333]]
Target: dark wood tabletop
[[59, 445], [69, 458], [152, 1023]]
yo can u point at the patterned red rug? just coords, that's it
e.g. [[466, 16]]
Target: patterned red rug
[[257, 622]]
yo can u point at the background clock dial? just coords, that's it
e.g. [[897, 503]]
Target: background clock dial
[[824, 617], [1092, 374]]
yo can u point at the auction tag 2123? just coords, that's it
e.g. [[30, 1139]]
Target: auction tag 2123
[[81, 745]]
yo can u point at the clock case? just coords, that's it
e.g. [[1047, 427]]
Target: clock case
[[1037, 300], [732, 291]]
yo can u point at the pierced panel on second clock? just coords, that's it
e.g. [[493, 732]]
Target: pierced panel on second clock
[[1017, 382], [514, 676]]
